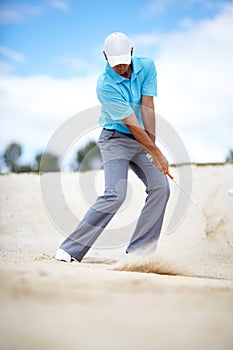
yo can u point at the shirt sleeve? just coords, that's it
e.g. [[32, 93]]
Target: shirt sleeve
[[113, 103], [149, 86]]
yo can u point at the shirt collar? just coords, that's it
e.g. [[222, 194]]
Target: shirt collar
[[137, 66], [116, 77]]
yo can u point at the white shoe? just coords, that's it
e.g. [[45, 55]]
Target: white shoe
[[61, 255]]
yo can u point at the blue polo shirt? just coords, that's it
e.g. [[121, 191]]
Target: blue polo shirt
[[120, 97]]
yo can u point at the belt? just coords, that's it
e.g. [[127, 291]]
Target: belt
[[123, 133]]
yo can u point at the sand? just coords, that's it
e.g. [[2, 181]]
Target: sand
[[179, 298]]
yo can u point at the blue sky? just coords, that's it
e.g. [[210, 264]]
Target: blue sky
[[49, 34], [51, 55]]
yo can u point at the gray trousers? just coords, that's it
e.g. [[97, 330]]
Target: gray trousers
[[118, 152]]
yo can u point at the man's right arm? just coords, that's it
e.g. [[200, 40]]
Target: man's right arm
[[146, 142]]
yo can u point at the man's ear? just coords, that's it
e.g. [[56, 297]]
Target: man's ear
[[132, 51], [105, 55]]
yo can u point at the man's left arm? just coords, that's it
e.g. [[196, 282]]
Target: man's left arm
[[148, 116]]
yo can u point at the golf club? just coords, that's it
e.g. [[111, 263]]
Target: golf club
[[177, 184], [189, 197], [192, 200]]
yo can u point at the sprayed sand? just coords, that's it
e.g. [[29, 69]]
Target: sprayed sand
[[179, 298]]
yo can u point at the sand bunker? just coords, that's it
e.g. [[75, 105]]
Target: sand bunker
[[104, 303]]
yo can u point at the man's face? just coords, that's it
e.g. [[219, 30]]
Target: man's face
[[121, 68]]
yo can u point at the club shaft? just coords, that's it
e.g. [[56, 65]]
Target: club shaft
[[181, 188]]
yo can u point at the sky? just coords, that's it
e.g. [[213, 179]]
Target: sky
[[51, 57]]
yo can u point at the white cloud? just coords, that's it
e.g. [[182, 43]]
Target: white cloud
[[154, 8], [32, 108], [21, 12], [195, 91], [145, 40], [8, 58], [78, 64], [61, 5], [12, 54], [195, 77], [5, 68], [18, 13]]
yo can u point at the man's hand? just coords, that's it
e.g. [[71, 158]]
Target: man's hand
[[144, 139], [160, 161]]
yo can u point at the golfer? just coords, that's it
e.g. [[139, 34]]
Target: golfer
[[126, 91]]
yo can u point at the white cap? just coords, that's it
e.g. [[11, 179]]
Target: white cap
[[118, 49]]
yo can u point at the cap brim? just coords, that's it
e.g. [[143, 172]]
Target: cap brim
[[122, 59]]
